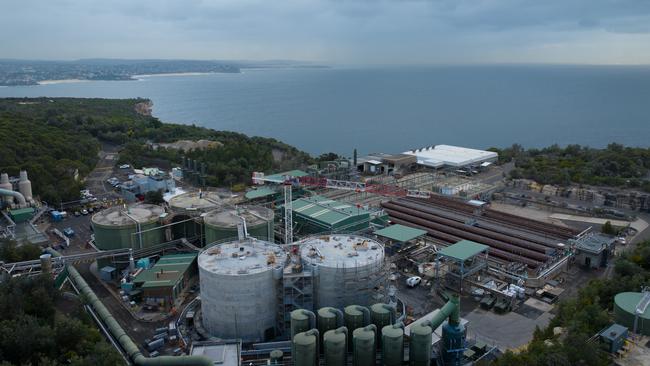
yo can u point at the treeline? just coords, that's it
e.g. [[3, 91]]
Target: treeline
[[34, 332], [54, 138], [615, 165], [584, 316]]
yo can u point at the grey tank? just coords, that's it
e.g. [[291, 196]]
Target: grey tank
[[335, 347], [392, 345], [365, 349]]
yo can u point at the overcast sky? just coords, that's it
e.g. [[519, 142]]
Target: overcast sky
[[337, 31]]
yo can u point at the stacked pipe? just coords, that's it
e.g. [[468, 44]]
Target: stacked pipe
[[499, 241]]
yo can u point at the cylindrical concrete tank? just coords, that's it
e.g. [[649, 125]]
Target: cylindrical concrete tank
[[420, 345], [335, 346], [130, 227], [392, 345], [365, 349], [625, 305], [304, 348], [381, 315], [349, 269], [355, 316], [239, 283], [195, 203], [5, 184], [329, 318], [25, 186], [222, 224], [301, 321], [46, 263]]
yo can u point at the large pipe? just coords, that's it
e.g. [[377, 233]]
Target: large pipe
[[17, 195], [422, 212], [118, 332], [470, 236]]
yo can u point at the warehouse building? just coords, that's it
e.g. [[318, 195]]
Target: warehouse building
[[593, 250], [163, 284], [441, 156], [318, 214]]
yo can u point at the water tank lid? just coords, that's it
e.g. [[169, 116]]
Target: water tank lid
[[361, 333], [299, 315], [352, 310], [326, 312], [379, 308], [391, 331], [304, 339]]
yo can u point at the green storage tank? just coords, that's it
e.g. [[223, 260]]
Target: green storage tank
[[381, 315], [392, 345], [328, 318], [420, 345], [365, 349], [301, 321], [221, 224], [304, 348], [625, 305], [116, 227], [355, 316], [335, 346]]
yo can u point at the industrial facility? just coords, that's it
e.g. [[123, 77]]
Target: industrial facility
[[135, 226], [223, 224]]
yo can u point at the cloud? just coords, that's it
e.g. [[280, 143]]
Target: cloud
[[345, 31]]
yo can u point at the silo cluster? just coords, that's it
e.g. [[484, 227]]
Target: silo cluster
[[134, 226]]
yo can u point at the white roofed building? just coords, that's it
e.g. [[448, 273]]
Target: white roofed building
[[440, 156]]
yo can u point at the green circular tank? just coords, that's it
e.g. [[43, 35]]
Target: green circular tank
[[353, 316], [276, 357], [132, 226], [335, 347], [222, 224], [364, 353], [420, 345], [392, 345], [625, 305], [304, 349], [380, 316], [327, 319], [300, 321]]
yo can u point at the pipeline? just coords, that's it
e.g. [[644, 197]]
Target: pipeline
[[494, 252], [415, 210], [470, 236], [19, 196], [118, 332]]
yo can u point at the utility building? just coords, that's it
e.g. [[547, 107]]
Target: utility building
[[318, 214], [162, 284]]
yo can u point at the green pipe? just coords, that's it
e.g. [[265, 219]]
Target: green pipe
[[118, 332]]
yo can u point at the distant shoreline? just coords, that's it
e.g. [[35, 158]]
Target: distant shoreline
[[144, 76], [61, 81]]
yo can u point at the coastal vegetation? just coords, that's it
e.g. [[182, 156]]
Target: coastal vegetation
[[58, 139], [584, 316], [39, 326], [616, 165]]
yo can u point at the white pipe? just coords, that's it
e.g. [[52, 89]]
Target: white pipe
[[18, 195]]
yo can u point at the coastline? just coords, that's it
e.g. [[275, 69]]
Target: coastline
[[144, 76], [61, 81]]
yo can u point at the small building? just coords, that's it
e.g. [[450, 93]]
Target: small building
[[318, 214], [464, 259], [399, 163], [397, 235], [140, 184], [21, 214], [223, 353], [613, 338], [162, 284], [261, 194], [593, 250], [447, 156]]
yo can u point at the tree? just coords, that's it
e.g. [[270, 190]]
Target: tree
[[154, 197], [608, 228]]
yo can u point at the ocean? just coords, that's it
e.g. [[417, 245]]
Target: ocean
[[394, 109]]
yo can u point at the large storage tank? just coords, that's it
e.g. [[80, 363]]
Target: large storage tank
[[304, 348], [195, 202], [133, 226], [365, 349], [239, 283], [335, 347], [625, 305], [222, 224], [348, 269], [392, 345]]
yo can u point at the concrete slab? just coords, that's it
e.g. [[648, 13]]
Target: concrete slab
[[638, 224], [539, 305], [506, 331]]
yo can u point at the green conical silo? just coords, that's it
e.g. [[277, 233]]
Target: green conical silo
[[328, 319], [392, 345], [364, 353], [355, 316], [420, 345], [335, 346], [304, 348], [301, 321]]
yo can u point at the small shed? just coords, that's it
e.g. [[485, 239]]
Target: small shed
[[613, 338], [107, 273], [398, 234]]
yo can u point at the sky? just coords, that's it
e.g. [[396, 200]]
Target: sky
[[331, 31]]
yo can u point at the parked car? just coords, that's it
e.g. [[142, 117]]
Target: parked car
[[84, 212], [68, 232], [125, 166], [413, 281]]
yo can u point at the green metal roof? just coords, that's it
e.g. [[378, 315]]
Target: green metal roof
[[260, 192], [325, 210], [22, 211], [400, 233], [279, 177], [167, 271], [463, 250]]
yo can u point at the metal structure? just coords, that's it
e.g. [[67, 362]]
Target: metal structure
[[463, 259], [347, 269], [134, 226], [288, 215], [239, 283], [223, 223]]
